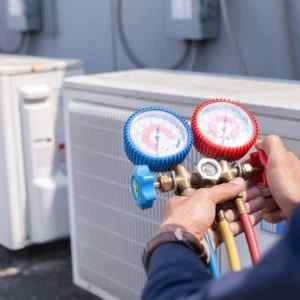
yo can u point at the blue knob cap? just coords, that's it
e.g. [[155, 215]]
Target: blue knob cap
[[142, 187]]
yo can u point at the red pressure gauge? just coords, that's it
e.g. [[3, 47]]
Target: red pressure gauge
[[223, 129]]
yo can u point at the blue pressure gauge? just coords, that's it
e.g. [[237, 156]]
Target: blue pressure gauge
[[155, 140], [157, 137]]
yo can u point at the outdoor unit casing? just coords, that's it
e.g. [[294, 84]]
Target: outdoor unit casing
[[33, 185], [108, 231]]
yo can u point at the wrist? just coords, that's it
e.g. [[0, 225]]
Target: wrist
[[173, 233], [199, 240], [196, 232]]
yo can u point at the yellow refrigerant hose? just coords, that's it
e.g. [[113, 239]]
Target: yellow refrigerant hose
[[229, 241]]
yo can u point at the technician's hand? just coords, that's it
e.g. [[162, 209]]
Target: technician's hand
[[283, 176], [197, 212]]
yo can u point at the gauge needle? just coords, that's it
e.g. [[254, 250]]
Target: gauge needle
[[157, 137], [224, 129]]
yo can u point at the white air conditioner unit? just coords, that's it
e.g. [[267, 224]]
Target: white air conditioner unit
[[33, 184], [108, 231]]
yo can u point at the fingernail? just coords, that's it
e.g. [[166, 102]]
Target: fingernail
[[238, 181]]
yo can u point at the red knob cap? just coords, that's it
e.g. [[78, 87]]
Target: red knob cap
[[259, 160], [207, 136]]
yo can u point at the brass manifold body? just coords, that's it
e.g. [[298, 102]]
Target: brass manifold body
[[208, 172]]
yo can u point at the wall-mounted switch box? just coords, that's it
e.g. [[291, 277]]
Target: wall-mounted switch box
[[24, 15], [192, 19]]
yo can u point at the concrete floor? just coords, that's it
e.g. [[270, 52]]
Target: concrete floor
[[39, 273]]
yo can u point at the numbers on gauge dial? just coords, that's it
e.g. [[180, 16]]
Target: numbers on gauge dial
[[158, 134], [225, 124]]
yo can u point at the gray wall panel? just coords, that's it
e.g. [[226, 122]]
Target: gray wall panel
[[267, 32], [83, 32]]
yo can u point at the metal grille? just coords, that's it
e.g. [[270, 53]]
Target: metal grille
[[110, 230]]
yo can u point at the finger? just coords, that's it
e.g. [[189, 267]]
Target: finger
[[259, 141], [272, 145], [274, 217], [236, 227], [253, 206], [232, 215], [255, 218], [271, 205], [226, 191], [227, 205], [265, 192], [252, 193]]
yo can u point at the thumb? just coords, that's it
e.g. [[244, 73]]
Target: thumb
[[227, 191]]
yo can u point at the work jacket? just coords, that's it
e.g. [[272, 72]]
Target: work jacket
[[177, 273]]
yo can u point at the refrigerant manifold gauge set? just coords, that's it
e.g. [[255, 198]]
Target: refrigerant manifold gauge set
[[157, 141]]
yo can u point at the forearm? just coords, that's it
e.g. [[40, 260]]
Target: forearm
[[176, 273]]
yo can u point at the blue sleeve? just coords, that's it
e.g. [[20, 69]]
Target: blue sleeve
[[176, 273]]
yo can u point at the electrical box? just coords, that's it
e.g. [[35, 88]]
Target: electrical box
[[192, 19], [24, 15], [108, 231], [33, 175]]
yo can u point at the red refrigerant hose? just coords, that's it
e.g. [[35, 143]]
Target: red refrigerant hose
[[248, 230], [258, 159], [251, 238]]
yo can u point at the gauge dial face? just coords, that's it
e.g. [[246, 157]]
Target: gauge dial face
[[158, 134], [225, 124]]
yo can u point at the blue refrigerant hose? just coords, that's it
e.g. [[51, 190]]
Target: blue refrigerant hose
[[213, 264]]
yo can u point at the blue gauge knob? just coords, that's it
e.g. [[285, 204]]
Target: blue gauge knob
[[142, 187], [157, 137]]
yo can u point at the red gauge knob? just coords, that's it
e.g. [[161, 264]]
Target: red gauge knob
[[259, 160], [223, 129]]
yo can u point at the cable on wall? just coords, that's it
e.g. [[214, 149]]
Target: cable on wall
[[114, 35], [130, 52], [233, 38], [21, 45], [291, 40]]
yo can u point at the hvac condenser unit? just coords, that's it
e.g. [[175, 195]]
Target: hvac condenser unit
[[33, 185], [108, 230]]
